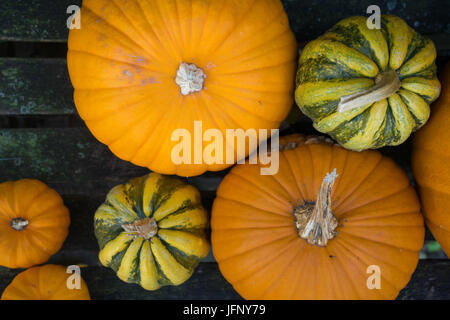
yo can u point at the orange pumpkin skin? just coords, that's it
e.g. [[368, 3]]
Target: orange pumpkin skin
[[258, 249], [430, 162], [33, 223], [47, 282], [124, 60]]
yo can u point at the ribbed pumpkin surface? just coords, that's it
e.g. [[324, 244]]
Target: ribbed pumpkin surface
[[351, 58], [255, 240], [123, 64], [168, 257], [47, 282], [43, 223], [430, 160]]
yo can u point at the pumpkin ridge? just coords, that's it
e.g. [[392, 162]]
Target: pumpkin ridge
[[244, 88], [300, 191], [345, 266], [285, 189], [130, 125], [362, 255], [350, 33], [350, 234], [170, 36], [162, 277], [255, 248], [111, 112], [136, 65], [260, 55], [262, 265], [382, 277], [277, 278], [151, 27], [218, 74], [85, 6], [233, 123], [187, 261], [297, 272], [281, 201], [345, 213], [235, 26], [355, 187], [237, 106], [152, 156], [352, 219], [43, 213], [268, 40], [437, 226], [149, 134], [250, 206], [32, 200]]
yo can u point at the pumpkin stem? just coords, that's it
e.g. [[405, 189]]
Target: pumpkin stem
[[386, 84], [190, 78], [19, 224], [145, 228], [315, 222]]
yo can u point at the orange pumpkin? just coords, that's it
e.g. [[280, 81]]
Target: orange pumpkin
[[430, 162], [49, 282], [33, 223], [143, 69], [331, 224]]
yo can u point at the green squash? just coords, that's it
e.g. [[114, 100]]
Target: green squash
[[151, 231], [368, 88]]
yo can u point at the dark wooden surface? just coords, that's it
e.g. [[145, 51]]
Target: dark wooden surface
[[429, 282], [45, 20], [42, 137]]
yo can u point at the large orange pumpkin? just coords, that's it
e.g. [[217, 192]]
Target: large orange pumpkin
[[331, 224], [33, 223], [49, 282], [143, 69], [430, 160]]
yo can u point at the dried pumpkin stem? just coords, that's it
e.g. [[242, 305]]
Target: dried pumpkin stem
[[315, 222], [190, 78], [19, 224], [145, 228], [386, 84]]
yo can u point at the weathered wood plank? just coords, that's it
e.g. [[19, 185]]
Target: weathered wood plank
[[37, 20], [72, 161], [45, 20], [43, 87], [35, 86], [309, 19], [206, 284], [431, 280]]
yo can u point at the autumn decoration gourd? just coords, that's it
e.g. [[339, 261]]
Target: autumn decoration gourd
[[48, 282], [331, 224], [430, 162], [33, 223], [151, 231], [144, 70], [368, 88]]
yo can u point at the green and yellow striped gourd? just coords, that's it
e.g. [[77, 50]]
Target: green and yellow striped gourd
[[151, 231], [368, 88]]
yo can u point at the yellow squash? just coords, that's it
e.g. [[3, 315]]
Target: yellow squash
[[368, 88], [151, 231]]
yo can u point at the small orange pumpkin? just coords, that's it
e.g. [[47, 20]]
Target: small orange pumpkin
[[430, 162], [143, 69], [331, 224], [33, 223], [47, 282]]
